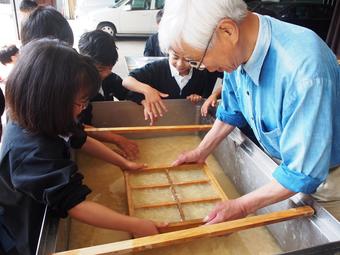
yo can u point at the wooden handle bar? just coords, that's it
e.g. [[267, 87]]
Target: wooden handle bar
[[124, 130], [166, 239]]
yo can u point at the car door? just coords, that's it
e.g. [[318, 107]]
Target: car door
[[138, 16]]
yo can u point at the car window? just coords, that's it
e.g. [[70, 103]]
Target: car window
[[159, 4], [140, 4]]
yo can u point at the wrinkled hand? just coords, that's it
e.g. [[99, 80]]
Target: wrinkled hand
[[147, 228], [129, 148], [194, 98], [211, 101], [226, 210], [189, 157], [133, 166], [153, 104]]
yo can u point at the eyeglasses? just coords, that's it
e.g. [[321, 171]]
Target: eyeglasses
[[199, 65]]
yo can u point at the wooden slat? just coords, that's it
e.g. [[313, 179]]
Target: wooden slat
[[176, 237], [191, 201], [152, 186], [174, 194], [215, 183], [128, 193], [124, 130], [175, 226]]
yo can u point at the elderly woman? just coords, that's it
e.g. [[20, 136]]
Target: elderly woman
[[280, 78]]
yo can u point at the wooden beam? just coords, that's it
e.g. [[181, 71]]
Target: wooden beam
[[124, 130], [176, 237]]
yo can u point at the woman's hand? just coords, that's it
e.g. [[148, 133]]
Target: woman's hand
[[227, 210], [194, 98], [153, 104], [129, 148]]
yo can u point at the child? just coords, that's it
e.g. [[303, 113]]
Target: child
[[168, 78], [8, 56], [101, 48], [48, 87], [152, 45], [45, 21], [26, 7]]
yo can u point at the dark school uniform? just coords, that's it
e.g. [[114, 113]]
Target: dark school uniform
[[35, 171], [112, 86], [152, 47], [158, 75]]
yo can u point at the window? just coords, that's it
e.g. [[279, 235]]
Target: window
[[140, 4], [159, 4]]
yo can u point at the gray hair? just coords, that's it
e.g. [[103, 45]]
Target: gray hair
[[194, 21]]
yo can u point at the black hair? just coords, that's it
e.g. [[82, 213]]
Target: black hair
[[100, 46], [7, 52], [45, 21], [44, 84], [27, 5], [159, 16]]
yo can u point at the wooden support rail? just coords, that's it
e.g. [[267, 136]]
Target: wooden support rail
[[176, 237], [124, 130], [164, 185], [171, 203]]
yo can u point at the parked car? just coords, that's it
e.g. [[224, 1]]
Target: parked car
[[315, 15], [126, 17]]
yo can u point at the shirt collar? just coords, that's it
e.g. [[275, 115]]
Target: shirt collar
[[254, 64], [175, 74]]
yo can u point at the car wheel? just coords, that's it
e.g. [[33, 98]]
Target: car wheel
[[108, 28]]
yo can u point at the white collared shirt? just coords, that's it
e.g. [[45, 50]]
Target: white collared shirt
[[182, 81]]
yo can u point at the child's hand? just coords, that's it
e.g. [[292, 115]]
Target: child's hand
[[194, 98], [211, 101], [153, 102], [147, 228], [133, 166], [130, 148]]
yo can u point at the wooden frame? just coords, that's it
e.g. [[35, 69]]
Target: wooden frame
[[126, 130], [174, 186], [186, 235]]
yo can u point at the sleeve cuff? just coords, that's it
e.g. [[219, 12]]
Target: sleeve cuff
[[296, 181], [232, 119]]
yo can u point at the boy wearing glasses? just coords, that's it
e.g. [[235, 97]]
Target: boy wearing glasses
[[170, 78]]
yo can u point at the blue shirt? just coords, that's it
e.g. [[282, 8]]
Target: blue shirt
[[289, 93]]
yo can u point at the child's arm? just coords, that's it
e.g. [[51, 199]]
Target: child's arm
[[153, 98], [99, 150], [211, 101], [103, 217], [129, 148]]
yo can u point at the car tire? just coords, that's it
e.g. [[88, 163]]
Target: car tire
[[108, 28]]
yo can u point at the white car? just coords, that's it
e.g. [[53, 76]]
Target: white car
[[126, 17]]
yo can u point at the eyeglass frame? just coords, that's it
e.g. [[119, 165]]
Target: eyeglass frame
[[198, 65]]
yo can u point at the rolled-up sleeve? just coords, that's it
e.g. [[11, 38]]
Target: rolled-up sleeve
[[228, 110], [306, 139], [54, 182]]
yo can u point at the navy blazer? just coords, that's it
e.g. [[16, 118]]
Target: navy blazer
[[35, 171]]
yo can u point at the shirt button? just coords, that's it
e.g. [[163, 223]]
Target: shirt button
[[248, 93], [242, 71]]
